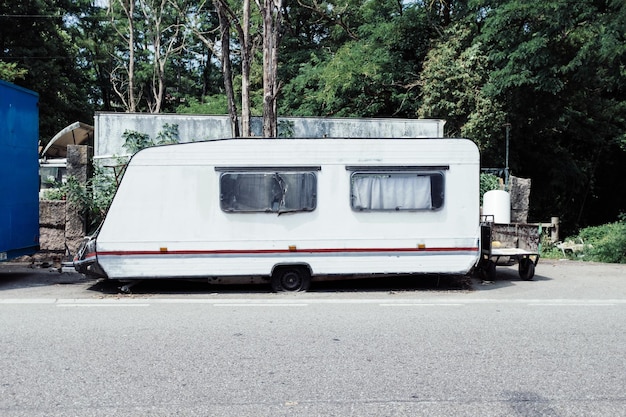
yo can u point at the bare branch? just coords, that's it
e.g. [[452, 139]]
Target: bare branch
[[334, 19]]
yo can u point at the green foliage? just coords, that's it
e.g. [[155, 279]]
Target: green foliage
[[56, 193], [371, 73], [285, 129], [455, 79], [549, 69], [603, 243], [167, 135], [342, 85], [606, 243], [102, 187], [215, 104], [488, 182], [549, 250], [93, 198], [136, 141], [9, 71]]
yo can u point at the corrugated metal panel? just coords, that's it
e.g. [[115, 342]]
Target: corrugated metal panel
[[19, 177]]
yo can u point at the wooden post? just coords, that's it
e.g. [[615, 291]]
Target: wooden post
[[554, 229]]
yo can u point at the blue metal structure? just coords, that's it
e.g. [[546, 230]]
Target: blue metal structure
[[19, 171]]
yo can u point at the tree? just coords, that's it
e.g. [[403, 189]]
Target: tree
[[246, 51], [9, 71], [167, 41], [123, 74], [551, 70], [151, 31], [94, 39], [226, 66], [237, 20], [372, 72], [37, 40], [556, 72], [271, 13], [455, 87]]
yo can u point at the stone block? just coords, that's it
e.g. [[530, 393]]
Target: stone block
[[519, 191], [51, 239], [79, 162], [52, 213]]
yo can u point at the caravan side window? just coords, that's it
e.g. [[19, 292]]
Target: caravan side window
[[389, 190], [270, 192]]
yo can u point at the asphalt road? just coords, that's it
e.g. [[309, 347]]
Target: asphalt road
[[555, 346]]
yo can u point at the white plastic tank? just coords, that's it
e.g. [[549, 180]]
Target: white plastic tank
[[497, 203]]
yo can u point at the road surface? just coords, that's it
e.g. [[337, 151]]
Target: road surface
[[554, 346]]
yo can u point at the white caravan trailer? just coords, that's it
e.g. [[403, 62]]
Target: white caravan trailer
[[291, 210]]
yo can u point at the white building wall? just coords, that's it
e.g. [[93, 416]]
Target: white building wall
[[109, 128]]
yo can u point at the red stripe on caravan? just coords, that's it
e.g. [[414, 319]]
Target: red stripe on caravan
[[283, 251]]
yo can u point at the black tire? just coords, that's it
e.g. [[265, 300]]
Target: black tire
[[526, 269], [488, 270], [290, 279]]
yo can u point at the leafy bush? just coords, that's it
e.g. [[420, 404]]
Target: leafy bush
[[488, 182], [57, 192], [604, 243], [93, 198], [215, 104], [135, 141], [548, 249], [607, 243]]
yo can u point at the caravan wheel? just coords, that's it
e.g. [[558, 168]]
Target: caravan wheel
[[487, 270], [293, 278], [526, 269]]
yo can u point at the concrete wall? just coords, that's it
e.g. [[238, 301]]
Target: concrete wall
[[109, 128]]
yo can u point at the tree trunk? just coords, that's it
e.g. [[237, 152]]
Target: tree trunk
[[132, 106], [129, 8], [243, 33], [271, 12], [226, 67], [158, 84], [246, 52]]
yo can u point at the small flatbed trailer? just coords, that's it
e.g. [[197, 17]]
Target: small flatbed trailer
[[509, 244]]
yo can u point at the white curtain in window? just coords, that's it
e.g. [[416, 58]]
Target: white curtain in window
[[394, 192]]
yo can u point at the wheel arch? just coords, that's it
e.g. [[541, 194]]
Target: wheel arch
[[288, 265]]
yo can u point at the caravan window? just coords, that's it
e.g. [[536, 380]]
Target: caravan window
[[271, 192], [382, 190]]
